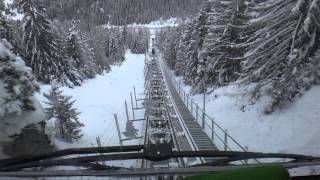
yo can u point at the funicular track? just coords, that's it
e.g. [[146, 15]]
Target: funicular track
[[160, 136], [174, 144], [162, 96]]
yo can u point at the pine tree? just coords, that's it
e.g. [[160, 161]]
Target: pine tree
[[196, 42], [116, 48], [61, 108], [285, 38], [80, 53], [182, 49], [43, 47], [131, 131], [17, 83], [218, 57]]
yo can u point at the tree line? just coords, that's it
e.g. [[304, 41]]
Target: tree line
[[273, 44], [120, 12], [61, 53]]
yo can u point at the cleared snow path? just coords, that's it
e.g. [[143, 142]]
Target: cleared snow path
[[98, 99]]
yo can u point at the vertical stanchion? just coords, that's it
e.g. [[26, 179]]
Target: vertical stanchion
[[133, 116], [226, 140], [118, 128], [191, 106], [187, 101], [135, 96], [246, 150], [212, 130], [127, 112], [100, 145], [203, 119], [204, 110], [197, 112]]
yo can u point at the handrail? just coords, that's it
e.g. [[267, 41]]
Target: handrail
[[186, 98]]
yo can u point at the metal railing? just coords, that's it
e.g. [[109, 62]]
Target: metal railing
[[220, 137]]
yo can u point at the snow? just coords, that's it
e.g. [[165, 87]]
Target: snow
[[16, 15], [98, 99], [158, 24], [293, 129], [152, 25], [13, 124]]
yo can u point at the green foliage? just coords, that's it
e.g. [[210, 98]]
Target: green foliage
[[61, 108]]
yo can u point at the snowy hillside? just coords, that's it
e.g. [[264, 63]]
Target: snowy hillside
[[294, 129], [100, 98]]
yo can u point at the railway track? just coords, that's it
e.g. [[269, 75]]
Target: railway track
[[174, 143]]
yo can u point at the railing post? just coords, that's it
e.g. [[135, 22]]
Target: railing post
[[246, 150], [187, 101], [133, 116], [212, 130], [226, 140], [135, 96], [197, 112], [127, 112], [191, 104], [203, 119], [118, 129]]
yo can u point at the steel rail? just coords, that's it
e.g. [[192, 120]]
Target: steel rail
[[146, 172]]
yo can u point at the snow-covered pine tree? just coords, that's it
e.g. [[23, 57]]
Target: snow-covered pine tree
[[169, 44], [131, 131], [17, 84], [43, 47], [61, 109], [139, 41], [182, 48], [88, 55], [196, 42], [79, 53], [219, 62], [99, 36], [285, 39], [4, 27], [116, 49]]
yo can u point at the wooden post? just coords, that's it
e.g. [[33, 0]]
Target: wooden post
[[212, 130], [226, 140], [127, 112], [133, 116], [118, 128], [135, 96]]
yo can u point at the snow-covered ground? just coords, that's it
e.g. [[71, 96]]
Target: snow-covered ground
[[100, 98], [158, 24], [152, 25], [294, 129]]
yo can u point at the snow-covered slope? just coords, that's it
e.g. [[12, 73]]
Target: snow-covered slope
[[98, 99], [294, 129], [152, 25]]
